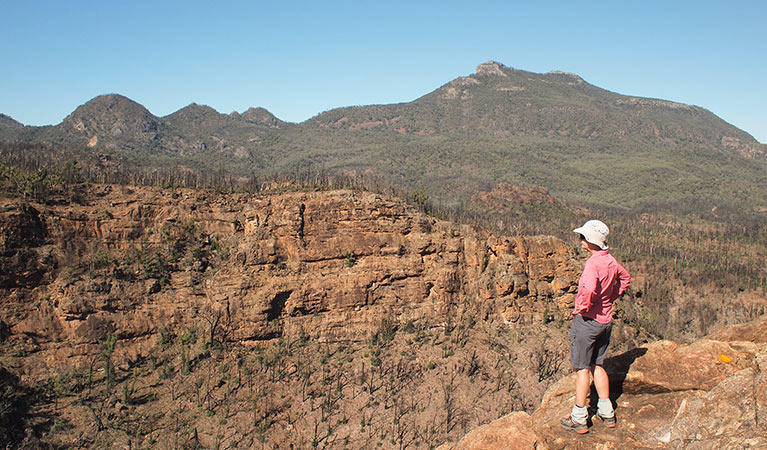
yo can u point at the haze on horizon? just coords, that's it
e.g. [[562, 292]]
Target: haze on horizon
[[297, 59]]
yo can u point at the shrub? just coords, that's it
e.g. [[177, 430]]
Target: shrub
[[350, 258], [14, 403]]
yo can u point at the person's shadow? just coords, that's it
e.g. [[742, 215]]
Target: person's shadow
[[617, 368]]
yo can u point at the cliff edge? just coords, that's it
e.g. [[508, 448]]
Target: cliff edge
[[711, 394]]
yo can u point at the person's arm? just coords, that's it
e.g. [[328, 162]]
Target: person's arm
[[625, 279], [587, 287]]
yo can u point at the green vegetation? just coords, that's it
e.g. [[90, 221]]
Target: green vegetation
[[350, 258], [15, 401], [107, 348], [43, 185]]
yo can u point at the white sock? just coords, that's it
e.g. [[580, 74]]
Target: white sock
[[579, 414], [605, 407]]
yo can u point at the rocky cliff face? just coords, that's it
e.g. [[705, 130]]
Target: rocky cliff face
[[330, 265], [706, 395]]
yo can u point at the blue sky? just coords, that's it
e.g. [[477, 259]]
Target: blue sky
[[298, 59]]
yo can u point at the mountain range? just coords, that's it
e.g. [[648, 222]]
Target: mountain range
[[497, 125]]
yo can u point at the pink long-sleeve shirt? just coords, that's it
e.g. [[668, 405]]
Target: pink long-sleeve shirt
[[603, 280]]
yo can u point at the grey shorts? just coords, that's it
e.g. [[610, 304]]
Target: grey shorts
[[589, 341]]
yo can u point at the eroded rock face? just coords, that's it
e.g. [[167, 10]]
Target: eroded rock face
[[23, 259], [332, 265], [706, 395]]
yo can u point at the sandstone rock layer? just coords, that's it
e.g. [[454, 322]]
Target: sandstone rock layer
[[332, 265]]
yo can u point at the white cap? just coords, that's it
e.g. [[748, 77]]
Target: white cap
[[595, 231]]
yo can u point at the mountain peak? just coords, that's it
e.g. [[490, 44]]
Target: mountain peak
[[196, 115], [260, 116], [195, 110], [113, 120], [112, 102], [110, 105], [566, 75], [8, 121], [491, 68]]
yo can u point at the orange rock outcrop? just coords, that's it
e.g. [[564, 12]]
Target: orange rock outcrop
[[710, 394], [330, 264]]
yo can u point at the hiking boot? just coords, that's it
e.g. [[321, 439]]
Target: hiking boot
[[609, 422], [569, 424]]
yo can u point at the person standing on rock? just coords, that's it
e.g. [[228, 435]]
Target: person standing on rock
[[603, 280]]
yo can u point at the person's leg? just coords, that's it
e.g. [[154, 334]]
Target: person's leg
[[601, 381], [580, 355], [604, 406], [582, 386], [579, 416]]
